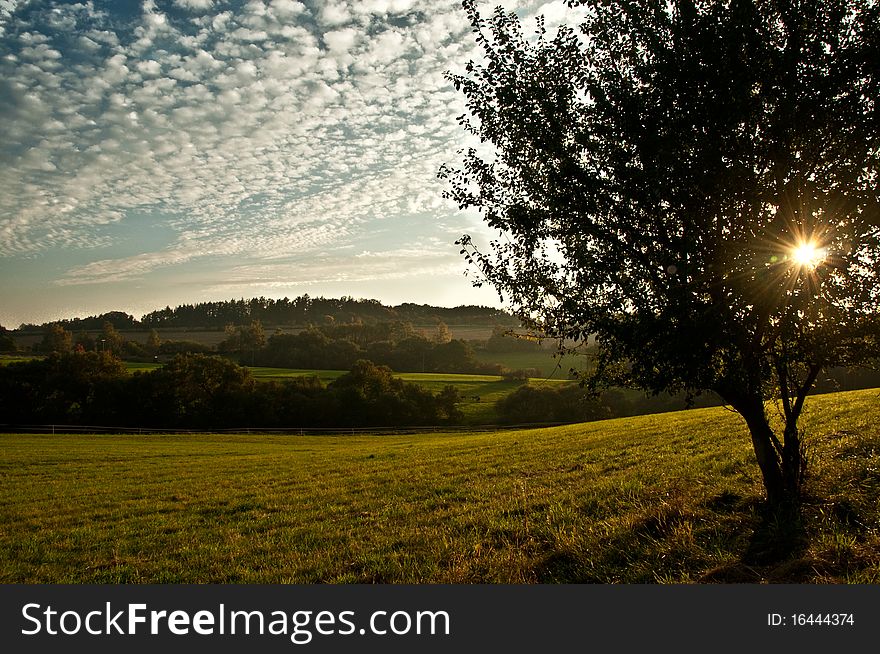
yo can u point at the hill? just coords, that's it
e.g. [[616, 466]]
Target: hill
[[662, 498], [299, 311]]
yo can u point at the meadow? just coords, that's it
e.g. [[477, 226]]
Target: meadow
[[554, 367], [661, 498]]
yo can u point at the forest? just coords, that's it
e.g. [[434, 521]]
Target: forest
[[300, 311]]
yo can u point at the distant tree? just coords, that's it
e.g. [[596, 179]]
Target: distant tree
[[565, 403], [370, 395], [83, 341], [255, 335], [56, 339], [448, 399], [246, 340], [63, 388], [695, 184], [506, 340], [7, 343], [154, 341], [195, 390], [119, 320], [442, 334], [521, 375], [110, 340], [453, 356], [134, 351]]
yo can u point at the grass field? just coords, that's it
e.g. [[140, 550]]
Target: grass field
[[661, 498], [13, 358], [542, 360]]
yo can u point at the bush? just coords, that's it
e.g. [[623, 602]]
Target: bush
[[521, 374], [193, 390], [67, 388], [7, 343], [566, 403]]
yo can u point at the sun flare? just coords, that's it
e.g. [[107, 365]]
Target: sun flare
[[808, 254]]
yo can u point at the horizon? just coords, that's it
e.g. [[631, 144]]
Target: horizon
[[139, 317], [183, 151]]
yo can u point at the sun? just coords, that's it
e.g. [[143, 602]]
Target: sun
[[808, 254]]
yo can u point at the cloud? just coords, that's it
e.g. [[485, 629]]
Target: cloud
[[334, 13], [264, 132], [7, 11], [286, 9], [341, 40], [194, 5]]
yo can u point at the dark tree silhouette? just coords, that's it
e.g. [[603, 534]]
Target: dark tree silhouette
[[693, 183]]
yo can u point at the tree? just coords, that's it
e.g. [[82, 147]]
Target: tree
[[195, 390], [370, 395], [7, 343], [56, 339], [563, 403], [110, 339], [65, 387], [245, 339], [442, 334], [84, 342], [154, 341], [695, 184]]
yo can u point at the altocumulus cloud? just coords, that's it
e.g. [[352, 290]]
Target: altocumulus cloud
[[268, 133]]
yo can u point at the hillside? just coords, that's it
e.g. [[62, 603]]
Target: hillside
[[662, 498], [299, 311]]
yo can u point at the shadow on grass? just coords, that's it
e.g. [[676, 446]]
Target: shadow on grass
[[779, 536], [652, 549], [775, 552]]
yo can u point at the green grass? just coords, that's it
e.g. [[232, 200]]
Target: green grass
[[133, 366], [543, 360], [661, 498], [14, 358], [280, 374]]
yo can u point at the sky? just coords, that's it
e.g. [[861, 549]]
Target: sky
[[165, 152]]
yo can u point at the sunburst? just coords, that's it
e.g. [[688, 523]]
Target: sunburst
[[808, 254]]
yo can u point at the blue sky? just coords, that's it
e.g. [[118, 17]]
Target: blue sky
[[163, 152]]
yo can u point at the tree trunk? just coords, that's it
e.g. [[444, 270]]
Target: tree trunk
[[751, 408], [765, 453], [792, 463]]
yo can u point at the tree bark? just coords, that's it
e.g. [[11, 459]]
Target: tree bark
[[792, 463], [765, 453], [751, 408]]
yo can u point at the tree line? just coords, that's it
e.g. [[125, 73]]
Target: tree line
[[302, 311], [199, 391], [397, 345], [209, 392]]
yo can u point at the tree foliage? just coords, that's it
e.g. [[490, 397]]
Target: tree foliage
[[195, 391], [56, 339], [696, 184], [565, 403], [64, 388], [7, 343]]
